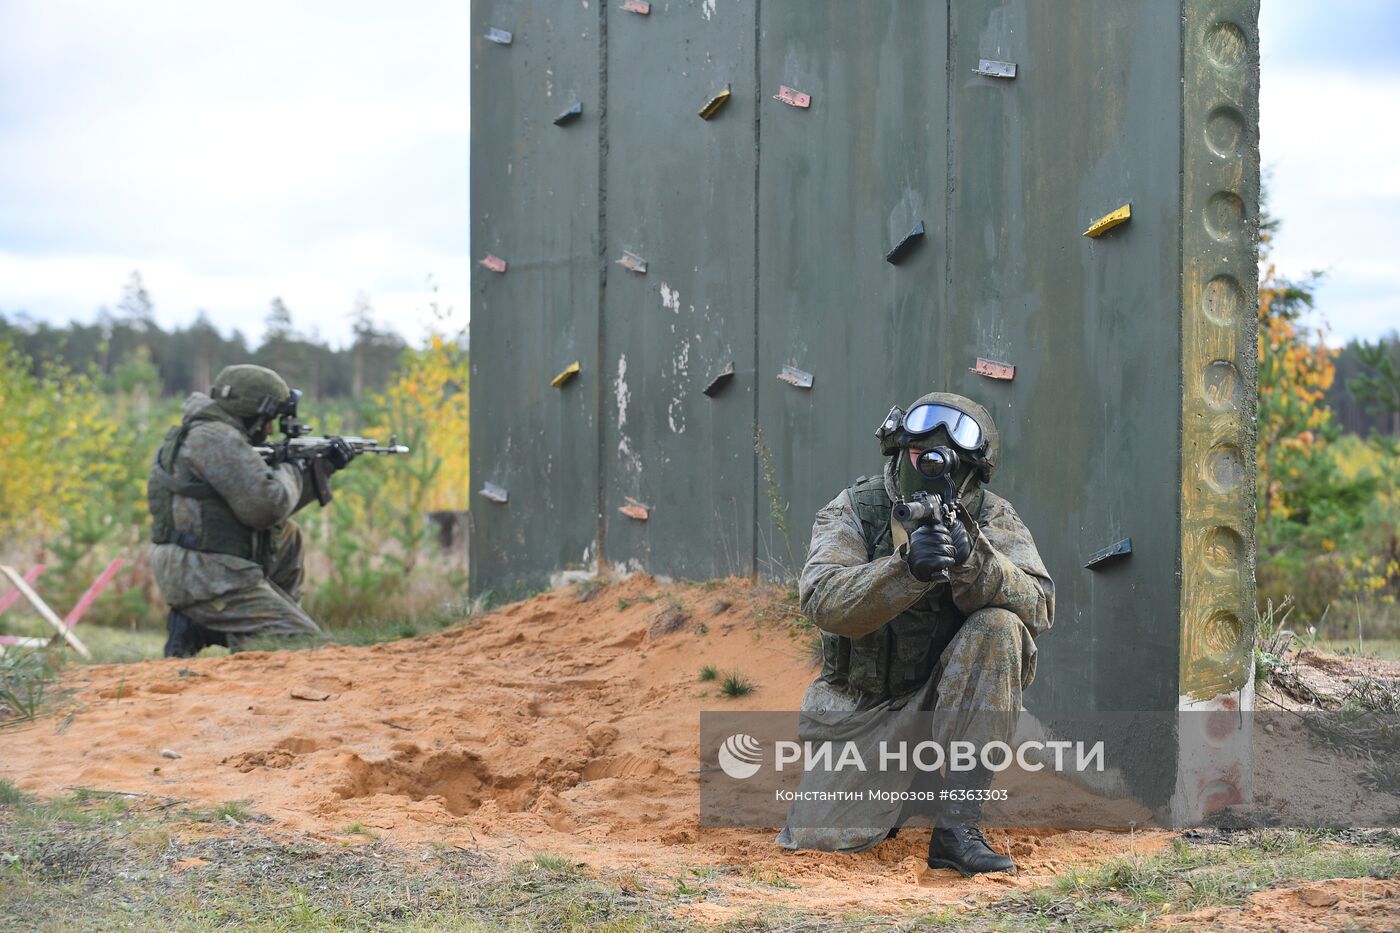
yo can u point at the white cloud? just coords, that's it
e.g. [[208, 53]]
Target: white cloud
[[233, 153], [1334, 183]]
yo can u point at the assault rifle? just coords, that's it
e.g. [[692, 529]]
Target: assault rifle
[[942, 505], [313, 453]]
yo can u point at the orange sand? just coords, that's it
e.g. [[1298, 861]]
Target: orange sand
[[551, 725]]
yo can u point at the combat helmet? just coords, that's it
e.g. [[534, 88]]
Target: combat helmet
[[247, 391], [985, 453]]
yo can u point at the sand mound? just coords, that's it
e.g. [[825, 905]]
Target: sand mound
[[555, 724]]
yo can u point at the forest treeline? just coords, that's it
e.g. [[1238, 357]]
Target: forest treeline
[[125, 347]]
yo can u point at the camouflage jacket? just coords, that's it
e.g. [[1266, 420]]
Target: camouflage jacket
[[261, 497], [845, 593]]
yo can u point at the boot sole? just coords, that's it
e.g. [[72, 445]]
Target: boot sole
[[947, 863]]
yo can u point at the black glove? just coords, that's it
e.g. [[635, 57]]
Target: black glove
[[930, 551], [339, 454], [962, 541]]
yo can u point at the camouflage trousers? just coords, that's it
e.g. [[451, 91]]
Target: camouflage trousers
[[269, 607], [975, 694]]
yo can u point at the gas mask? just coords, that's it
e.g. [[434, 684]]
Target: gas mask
[[953, 446], [939, 469]]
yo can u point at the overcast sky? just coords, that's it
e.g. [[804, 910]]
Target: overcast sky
[[234, 152], [313, 150]]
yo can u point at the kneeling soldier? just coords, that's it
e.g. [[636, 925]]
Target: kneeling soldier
[[227, 557], [943, 619]]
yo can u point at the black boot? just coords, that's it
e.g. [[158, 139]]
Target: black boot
[[185, 637], [957, 843], [965, 849]]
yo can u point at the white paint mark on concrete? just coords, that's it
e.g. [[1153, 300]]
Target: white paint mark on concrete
[[623, 395], [683, 358], [620, 391], [670, 298], [708, 8]]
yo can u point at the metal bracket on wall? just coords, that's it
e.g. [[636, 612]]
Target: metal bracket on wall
[[570, 115], [902, 248], [498, 36], [793, 98], [494, 263], [721, 380], [635, 509], [631, 260], [566, 375], [796, 377], [993, 69], [994, 370], [640, 7], [1108, 221], [1111, 553], [713, 105], [495, 493]]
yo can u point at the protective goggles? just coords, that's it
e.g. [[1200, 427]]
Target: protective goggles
[[272, 406], [901, 428]]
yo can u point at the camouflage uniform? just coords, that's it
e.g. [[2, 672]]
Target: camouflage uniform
[[892, 643], [231, 558]]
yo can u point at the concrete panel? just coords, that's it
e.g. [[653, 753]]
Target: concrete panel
[[840, 183], [1089, 422], [535, 205], [1219, 338], [680, 196], [765, 231]]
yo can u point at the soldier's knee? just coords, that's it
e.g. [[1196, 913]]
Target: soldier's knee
[[993, 625]]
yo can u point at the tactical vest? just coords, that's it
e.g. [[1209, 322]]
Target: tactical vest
[[900, 655], [220, 530]]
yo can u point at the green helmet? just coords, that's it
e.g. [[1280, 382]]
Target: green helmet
[[981, 446], [246, 390]]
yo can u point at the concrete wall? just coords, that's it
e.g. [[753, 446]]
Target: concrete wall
[[765, 230]]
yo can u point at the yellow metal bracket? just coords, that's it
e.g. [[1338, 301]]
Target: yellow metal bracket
[[566, 375], [714, 103], [1108, 221]]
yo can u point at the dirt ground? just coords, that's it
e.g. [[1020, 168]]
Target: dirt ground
[[558, 724]]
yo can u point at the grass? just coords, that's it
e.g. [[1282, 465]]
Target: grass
[[671, 617], [96, 860], [74, 863], [1387, 649], [548, 861], [229, 810], [736, 685], [585, 590], [124, 646], [1365, 728], [1189, 876], [709, 672], [25, 677], [10, 795]]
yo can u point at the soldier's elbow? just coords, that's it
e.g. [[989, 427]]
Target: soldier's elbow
[[265, 514], [809, 597]]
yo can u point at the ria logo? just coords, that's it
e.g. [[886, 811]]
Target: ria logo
[[741, 756]]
